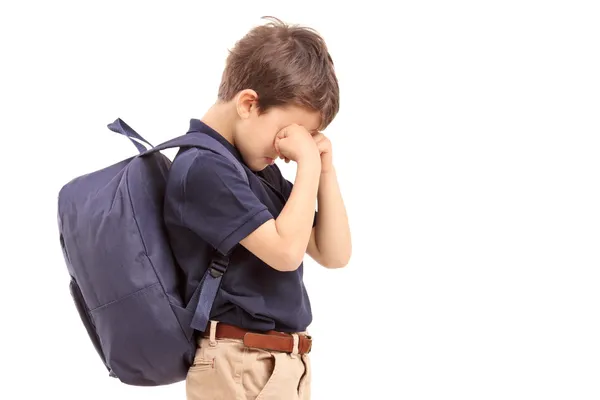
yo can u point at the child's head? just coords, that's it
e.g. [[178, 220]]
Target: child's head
[[278, 75]]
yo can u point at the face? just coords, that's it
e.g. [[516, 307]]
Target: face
[[255, 134]]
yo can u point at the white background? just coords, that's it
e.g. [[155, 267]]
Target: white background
[[467, 150]]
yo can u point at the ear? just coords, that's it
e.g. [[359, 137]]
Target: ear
[[246, 103]]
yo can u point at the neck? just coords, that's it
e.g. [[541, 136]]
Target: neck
[[221, 117]]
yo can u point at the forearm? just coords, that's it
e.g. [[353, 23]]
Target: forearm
[[332, 232], [294, 223]]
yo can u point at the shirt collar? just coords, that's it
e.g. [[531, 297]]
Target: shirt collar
[[197, 125]]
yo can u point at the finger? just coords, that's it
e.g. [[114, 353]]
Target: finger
[[277, 147], [283, 133], [318, 136], [322, 141]]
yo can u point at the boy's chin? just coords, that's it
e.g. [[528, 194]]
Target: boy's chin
[[261, 164], [258, 167], [262, 168]]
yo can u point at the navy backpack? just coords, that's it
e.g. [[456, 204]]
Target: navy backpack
[[123, 277]]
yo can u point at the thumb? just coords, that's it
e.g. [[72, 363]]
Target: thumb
[[278, 145], [283, 133]]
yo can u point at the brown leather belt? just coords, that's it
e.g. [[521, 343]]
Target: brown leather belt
[[270, 340]]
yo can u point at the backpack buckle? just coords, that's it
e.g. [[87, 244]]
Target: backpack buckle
[[218, 267]]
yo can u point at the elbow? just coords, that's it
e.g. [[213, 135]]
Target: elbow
[[289, 260], [337, 262]]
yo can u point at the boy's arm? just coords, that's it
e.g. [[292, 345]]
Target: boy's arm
[[282, 243], [330, 242]]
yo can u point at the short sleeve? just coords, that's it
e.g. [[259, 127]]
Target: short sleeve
[[219, 206]]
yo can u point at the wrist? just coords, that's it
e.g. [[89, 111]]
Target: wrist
[[328, 170], [310, 160]]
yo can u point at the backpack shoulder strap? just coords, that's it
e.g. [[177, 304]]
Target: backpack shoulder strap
[[199, 140], [200, 305], [192, 139]]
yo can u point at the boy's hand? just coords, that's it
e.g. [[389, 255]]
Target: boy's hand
[[324, 146], [295, 143]]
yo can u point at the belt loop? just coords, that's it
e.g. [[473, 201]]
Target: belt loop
[[296, 344], [213, 333]]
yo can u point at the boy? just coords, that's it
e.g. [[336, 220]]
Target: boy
[[278, 91]]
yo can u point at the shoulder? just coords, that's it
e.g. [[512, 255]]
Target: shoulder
[[194, 165]]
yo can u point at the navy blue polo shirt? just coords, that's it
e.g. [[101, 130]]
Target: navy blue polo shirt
[[209, 206]]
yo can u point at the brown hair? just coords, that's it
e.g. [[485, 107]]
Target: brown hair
[[285, 65]]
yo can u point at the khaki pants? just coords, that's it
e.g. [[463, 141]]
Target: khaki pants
[[225, 369]]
